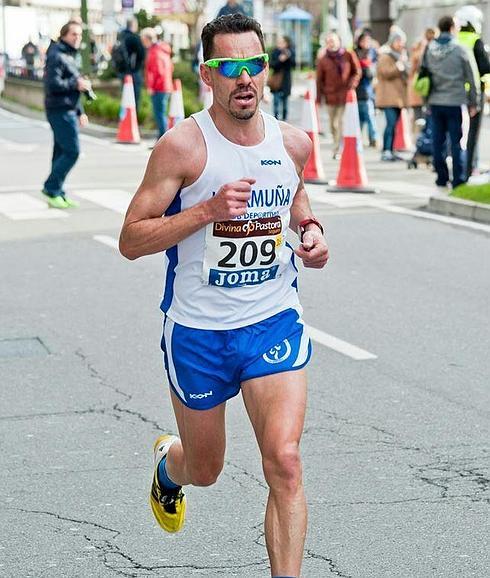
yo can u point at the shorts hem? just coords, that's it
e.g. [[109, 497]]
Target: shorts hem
[[201, 407]]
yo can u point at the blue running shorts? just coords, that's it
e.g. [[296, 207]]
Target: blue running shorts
[[205, 368]]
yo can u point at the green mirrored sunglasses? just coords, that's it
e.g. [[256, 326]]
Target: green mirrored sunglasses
[[233, 67]]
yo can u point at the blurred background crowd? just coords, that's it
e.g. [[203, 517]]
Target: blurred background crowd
[[419, 62]]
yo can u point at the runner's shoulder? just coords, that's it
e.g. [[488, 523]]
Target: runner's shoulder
[[182, 146], [297, 143]]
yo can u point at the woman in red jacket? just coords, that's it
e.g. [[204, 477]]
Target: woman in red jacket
[[337, 71], [158, 76]]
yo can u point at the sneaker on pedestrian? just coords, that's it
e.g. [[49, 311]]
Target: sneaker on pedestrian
[[57, 202], [70, 203], [168, 505], [387, 156], [373, 144]]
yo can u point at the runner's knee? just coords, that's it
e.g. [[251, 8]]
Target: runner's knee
[[282, 468], [205, 473]]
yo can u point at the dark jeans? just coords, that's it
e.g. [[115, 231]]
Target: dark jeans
[[137, 81], [280, 100], [392, 115], [366, 116], [447, 120], [137, 84], [473, 135], [64, 124], [159, 101]]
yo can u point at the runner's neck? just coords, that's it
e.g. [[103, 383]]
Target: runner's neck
[[249, 132]]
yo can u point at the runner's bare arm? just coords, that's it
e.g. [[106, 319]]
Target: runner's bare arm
[[177, 161], [313, 249]]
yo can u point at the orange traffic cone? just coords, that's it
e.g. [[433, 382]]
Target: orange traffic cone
[[313, 172], [128, 131], [403, 138], [312, 88], [176, 108], [352, 173]]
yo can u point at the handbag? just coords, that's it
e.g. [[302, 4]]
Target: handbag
[[422, 82], [274, 82]]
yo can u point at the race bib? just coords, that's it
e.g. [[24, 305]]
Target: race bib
[[240, 253]]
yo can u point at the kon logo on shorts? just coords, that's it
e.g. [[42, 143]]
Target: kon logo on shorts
[[201, 395], [278, 353]]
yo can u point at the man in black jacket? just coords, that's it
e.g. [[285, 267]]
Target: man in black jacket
[[63, 84], [135, 56]]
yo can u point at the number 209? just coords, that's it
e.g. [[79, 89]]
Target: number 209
[[249, 253]]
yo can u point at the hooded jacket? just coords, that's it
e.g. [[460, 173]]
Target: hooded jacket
[[451, 73], [61, 74], [159, 68]]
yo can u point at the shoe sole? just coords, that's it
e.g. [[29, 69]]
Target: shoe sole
[[174, 524]]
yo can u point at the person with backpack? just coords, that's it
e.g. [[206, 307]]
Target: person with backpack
[[452, 87], [158, 76], [128, 56]]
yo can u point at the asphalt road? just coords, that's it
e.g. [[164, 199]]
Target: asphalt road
[[396, 443]]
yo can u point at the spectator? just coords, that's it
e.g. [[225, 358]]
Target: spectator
[[63, 85], [470, 19], [30, 54], [135, 56], [337, 71], [365, 90], [231, 7], [158, 76], [450, 71], [282, 62], [391, 90]]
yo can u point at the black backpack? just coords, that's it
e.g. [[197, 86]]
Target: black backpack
[[120, 58]]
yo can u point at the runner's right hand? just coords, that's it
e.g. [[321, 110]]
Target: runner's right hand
[[231, 200]]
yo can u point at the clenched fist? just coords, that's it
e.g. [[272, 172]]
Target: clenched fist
[[231, 200]]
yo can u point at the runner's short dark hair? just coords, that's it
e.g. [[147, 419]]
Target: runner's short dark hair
[[445, 23], [230, 24]]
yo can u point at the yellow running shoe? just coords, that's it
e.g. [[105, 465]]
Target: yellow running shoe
[[168, 506]]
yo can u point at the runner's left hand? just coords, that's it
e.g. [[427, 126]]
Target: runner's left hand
[[83, 120], [313, 250]]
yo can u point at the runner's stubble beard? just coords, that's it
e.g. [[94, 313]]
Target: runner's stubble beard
[[243, 114]]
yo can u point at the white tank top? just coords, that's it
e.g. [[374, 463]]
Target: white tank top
[[238, 272]]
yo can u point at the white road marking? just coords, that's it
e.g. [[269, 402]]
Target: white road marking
[[435, 217], [72, 187], [21, 206], [106, 240], [351, 200], [11, 145], [339, 345], [114, 199]]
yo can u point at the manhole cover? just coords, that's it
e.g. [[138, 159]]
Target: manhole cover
[[22, 347]]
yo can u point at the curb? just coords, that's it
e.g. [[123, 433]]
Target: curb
[[461, 208], [92, 129]]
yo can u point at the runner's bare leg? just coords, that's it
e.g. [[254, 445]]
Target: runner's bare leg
[[198, 457], [276, 406]]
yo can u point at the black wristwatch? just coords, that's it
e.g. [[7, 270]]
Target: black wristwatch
[[304, 223]]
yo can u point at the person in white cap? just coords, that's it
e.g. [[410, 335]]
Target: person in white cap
[[470, 19]]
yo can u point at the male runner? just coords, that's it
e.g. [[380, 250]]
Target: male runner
[[228, 182]]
